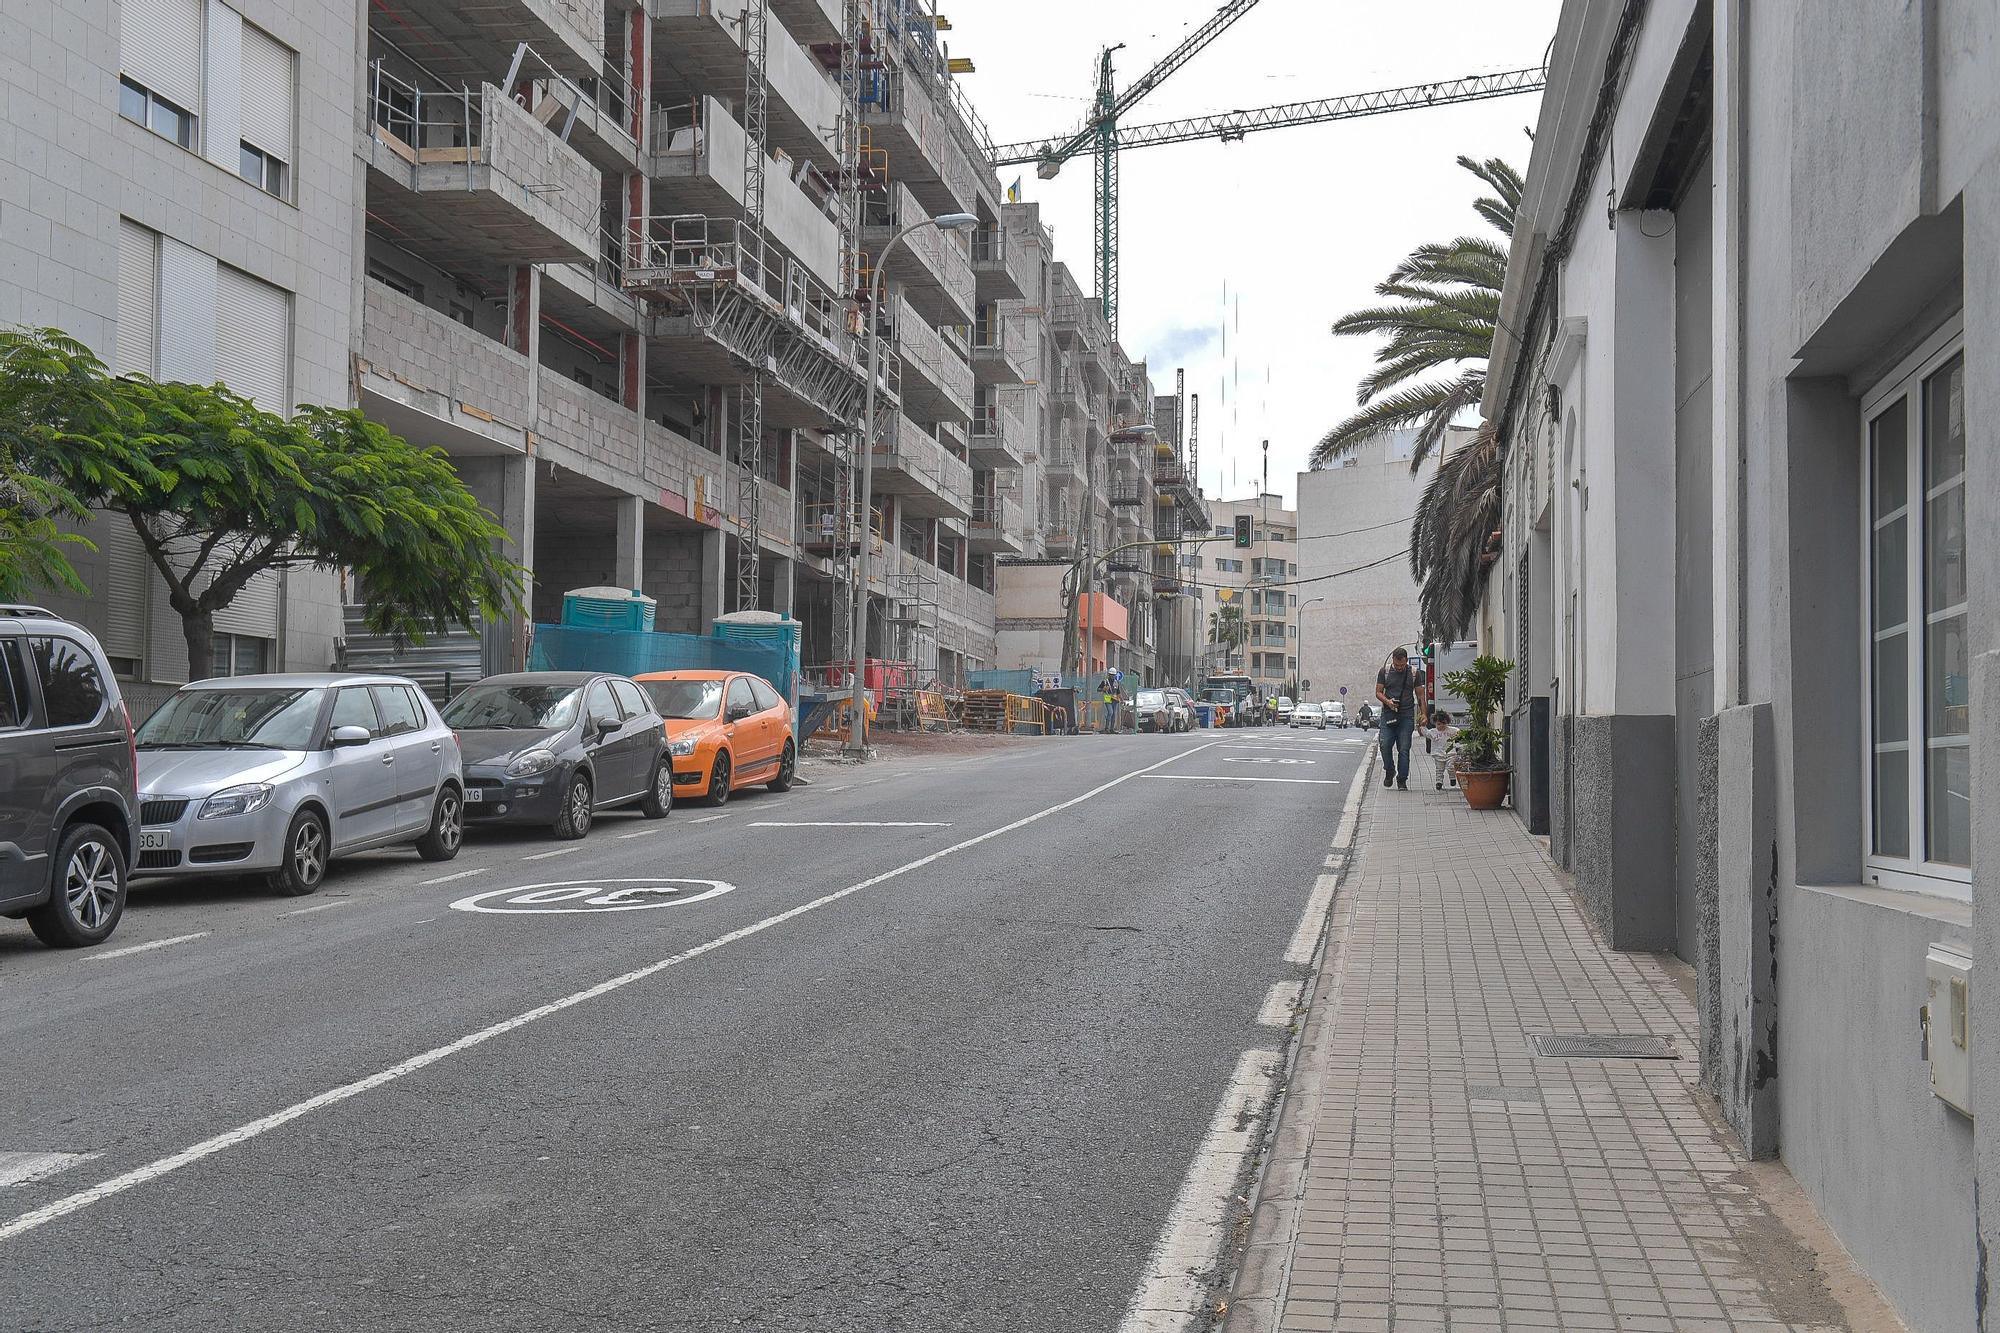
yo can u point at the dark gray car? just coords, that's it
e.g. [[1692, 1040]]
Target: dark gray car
[[68, 780], [555, 747]]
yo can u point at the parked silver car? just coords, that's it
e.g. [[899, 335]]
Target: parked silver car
[[277, 775]]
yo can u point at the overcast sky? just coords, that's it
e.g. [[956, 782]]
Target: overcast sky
[[1297, 225]]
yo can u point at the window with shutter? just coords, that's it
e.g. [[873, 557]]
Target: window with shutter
[[160, 45], [138, 300], [253, 327], [268, 101]]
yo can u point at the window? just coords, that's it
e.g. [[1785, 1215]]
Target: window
[[239, 655], [631, 698], [395, 281], [72, 691], [262, 170], [253, 345], [742, 702], [268, 109], [15, 698], [600, 705], [1917, 663], [767, 698], [400, 715], [353, 708], [143, 106]]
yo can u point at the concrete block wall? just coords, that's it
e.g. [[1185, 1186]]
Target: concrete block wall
[[672, 577], [533, 170], [430, 350]]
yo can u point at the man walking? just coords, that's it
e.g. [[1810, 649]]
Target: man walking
[[1399, 687]]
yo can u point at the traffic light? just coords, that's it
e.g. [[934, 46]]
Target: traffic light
[[1243, 530]]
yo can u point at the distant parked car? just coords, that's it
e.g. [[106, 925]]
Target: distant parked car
[[727, 730], [555, 747], [1185, 702], [1281, 709], [1163, 711], [1336, 714], [1309, 715], [278, 774], [68, 790]]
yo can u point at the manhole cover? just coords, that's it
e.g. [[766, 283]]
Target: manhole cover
[[1590, 1046]]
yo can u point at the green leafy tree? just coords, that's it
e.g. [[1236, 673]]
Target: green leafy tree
[[220, 491], [1226, 628]]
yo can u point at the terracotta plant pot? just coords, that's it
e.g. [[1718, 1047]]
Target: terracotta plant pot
[[1484, 788]]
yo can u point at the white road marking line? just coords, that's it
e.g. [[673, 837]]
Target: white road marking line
[[543, 856], [841, 787], [1231, 777], [1280, 1003], [641, 833], [710, 819], [463, 874], [142, 948], [21, 1168], [1306, 937], [1173, 1294], [843, 823], [208, 1147], [319, 907]]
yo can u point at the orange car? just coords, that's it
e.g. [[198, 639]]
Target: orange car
[[726, 730]]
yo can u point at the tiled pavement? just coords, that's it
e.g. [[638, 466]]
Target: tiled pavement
[[1432, 1173]]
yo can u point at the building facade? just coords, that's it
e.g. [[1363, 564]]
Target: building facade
[[1357, 599], [606, 257], [1255, 587], [1747, 377]]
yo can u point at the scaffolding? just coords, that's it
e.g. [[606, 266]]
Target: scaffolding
[[750, 397]]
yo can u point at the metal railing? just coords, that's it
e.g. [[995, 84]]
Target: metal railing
[[433, 125]]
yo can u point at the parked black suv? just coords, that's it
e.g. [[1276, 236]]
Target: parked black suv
[[68, 780]]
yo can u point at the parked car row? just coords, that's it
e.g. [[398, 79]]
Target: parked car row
[[1320, 716], [277, 775], [1165, 710]]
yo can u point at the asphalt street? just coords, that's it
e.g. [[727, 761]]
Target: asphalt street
[[933, 1044]]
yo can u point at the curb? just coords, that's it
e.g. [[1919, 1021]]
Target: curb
[[1255, 1297]]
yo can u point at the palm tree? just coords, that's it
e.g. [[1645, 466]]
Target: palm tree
[[1448, 299], [1225, 628], [1452, 535]]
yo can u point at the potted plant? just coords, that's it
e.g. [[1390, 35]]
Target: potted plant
[[1482, 773]]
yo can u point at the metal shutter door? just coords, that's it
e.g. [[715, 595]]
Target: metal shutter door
[[253, 338], [187, 314], [138, 300], [267, 94], [160, 46]]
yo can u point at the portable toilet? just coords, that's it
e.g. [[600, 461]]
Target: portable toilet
[[765, 629], [607, 608]]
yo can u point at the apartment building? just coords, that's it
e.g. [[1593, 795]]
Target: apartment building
[[603, 256], [1746, 384], [1253, 585]]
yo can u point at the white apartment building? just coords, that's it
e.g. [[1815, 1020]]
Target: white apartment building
[[1258, 583], [1747, 377]]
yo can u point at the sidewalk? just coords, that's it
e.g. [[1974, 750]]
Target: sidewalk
[[1431, 1172]]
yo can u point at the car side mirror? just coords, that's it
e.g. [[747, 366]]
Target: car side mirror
[[600, 727], [344, 736]]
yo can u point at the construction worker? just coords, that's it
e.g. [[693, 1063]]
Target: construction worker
[[1108, 691]]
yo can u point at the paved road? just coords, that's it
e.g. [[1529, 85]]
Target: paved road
[[944, 1076]]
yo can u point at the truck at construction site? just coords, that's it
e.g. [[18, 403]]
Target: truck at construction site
[[1237, 700]]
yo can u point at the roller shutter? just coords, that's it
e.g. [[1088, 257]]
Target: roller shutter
[[267, 94], [160, 47]]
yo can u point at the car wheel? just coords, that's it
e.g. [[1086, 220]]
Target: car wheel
[[305, 860], [441, 841], [573, 821], [88, 895], [788, 765], [659, 802], [718, 781]]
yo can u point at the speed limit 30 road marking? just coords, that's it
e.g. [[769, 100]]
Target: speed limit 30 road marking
[[571, 896]]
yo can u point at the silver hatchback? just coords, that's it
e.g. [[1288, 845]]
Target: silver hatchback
[[277, 775]]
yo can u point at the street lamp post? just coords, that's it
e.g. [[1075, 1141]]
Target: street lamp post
[[1302, 639], [857, 741]]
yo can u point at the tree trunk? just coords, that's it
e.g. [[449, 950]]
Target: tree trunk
[[198, 628]]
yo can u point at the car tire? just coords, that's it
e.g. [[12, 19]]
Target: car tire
[[659, 799], [306, 853], [788, 768], [573, 820], [718, 781], [87, 895], [446, 834]]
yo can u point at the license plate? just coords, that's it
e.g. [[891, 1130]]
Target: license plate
[[474, 796], [154, 839]]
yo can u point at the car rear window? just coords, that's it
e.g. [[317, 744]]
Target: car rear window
[[631, 698], [72, 691], [14, 696]]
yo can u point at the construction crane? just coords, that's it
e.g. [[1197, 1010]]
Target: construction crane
[[1101, 134], [1230, 126]]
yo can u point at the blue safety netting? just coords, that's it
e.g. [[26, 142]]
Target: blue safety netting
[[634, 652]]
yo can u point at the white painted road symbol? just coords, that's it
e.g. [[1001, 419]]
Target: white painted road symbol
[[593, 895], [1265, 759]]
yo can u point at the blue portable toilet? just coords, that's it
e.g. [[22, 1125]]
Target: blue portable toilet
[[607, 608], [766, 629]]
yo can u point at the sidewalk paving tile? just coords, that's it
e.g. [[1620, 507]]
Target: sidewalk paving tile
[[1455, 1181]]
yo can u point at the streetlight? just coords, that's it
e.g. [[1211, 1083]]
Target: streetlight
[[1302, 636], [857, 743]]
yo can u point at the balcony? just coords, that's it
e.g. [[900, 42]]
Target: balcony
[[1063, 457], [474, 42], [1080, 327], [698, 168], [810, 21], [1003, 272], [699, 46], [937, 377], [903, 118], [996, 526], [436, 382], [997, 343], [1000, 435], [930, 266], [473, 175], [914, 466]]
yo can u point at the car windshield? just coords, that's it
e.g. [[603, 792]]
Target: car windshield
[[1220, 696], [686, 700], [1152, 699], [234, 719], [521, 707]]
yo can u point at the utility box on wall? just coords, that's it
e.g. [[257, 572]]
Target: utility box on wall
[[1948, 1025]]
